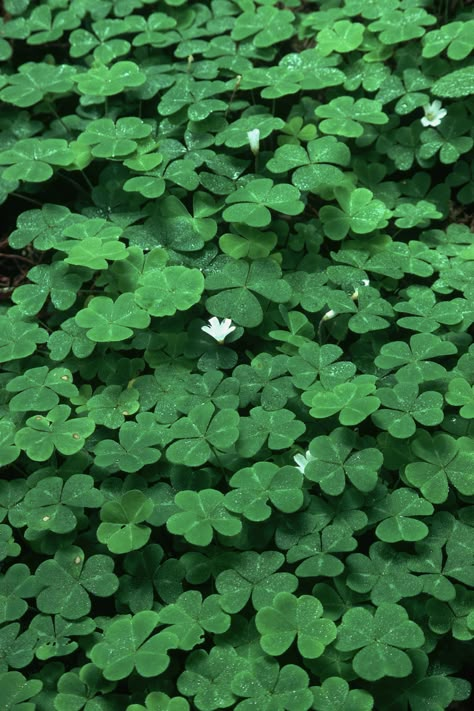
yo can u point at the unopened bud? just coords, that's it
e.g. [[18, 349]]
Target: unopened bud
[[329, 315], [254, 140]]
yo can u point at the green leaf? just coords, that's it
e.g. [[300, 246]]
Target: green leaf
[[238, 282], [354, 401], [402, 406], [267, 686], [31, 159], [344, 116], [40, 389], [45, 433], [336, 457], [190, 617], [17, 691], [202, 513], [380, 639], [107, 81], [108, 320], [250, 204], [122, 528], [128, 646], [291, 617], [69, 577], [254, 486], [253, 576], [162, 293], [460, 392], [135, 448], [441, 460], [359, 212], [334, 694], [455, 84]]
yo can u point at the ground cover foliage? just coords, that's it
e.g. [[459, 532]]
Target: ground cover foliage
[[275, 511]]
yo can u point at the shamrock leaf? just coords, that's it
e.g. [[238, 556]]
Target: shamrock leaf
[[253, 576], [268, 26], [380, 639], [44, 228], [127, 646], [385, 574], [264, 481], [159, 701], [267, 687], [344, 116], [34, 80], [85, 687], [420, 690], [16, 584], [354, 401], [114, 140], [395, 26], [316, 551], [460, 392], [68, 578], [122, 528], [54, 280], [108, 320], [202, 513], [429, 561], [334, 694], [43, 434], [398, 510], [359, 212], [54, 504], [190, 617], [452, 615], [17, 691], [237, 281], [278, 429], [111, 405], [8, 547], [162, 293], [198, 434], [426, 313], [413, 362], [441, 460], [55, 633], [403, 405], [315, 165], [94, 253], [17, 648], [208, 677], [334, 459], [100, 80], [18, 339], [250, 204], [289, 617], [39, 389], [342, 36], [135, 448], [316, 362], [31, 159], [9, 452]]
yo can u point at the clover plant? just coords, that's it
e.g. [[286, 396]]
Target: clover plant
[[236, 341]]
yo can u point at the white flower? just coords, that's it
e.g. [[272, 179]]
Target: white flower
[[433, 114], [219, 330], [302, 460], [365, 282], [254, 140], [329, 315]]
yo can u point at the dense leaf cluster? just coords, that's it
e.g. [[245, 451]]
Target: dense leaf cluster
[[283, 520]]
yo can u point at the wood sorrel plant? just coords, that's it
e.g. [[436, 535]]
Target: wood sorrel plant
[[236, 336]]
